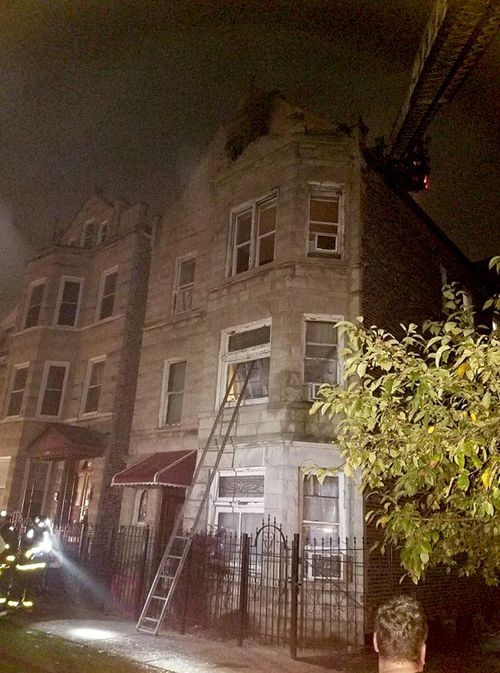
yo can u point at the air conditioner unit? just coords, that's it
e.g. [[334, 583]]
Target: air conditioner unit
[[324, 565], [311, 391]]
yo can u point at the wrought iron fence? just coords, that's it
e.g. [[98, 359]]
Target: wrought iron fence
[[263, 587]]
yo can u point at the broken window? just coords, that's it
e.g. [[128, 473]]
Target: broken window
[[253, 231], [247, 349]]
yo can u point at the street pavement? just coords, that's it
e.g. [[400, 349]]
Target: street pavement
[[173, 652]]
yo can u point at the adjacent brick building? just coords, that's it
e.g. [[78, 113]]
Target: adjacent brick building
[[68, 365]]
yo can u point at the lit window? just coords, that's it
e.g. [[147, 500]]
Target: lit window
[[325, 221], [184, 282], [53, 383], [245, 348], [238, 504], [173, 392], [94, 381], [69, 297], [253, 230], [320, 357], [88, 234], [107, 294], [17, 388], [34, 304]]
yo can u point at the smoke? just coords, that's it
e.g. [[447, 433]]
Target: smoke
[[14, 251]]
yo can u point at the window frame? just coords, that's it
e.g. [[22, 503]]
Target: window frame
[[254, 207], [88, 224], [102, 232], [62, 281], [166, 394], [309, 385], [326, 189], [101, 296], [15, 368], [88, 373], [28, 306], [240, 506], [227, 358], [4, 479], [311, 550], [141, 492], [43, 387], [179, 288]]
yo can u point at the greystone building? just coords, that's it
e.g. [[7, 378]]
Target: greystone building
[[284, 228], [68, 365]]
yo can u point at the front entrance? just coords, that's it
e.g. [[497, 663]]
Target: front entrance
[[171, 500]]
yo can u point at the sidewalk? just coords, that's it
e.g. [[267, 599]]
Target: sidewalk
[[178, 653]]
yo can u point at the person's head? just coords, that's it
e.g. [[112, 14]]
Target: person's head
[[400, 632]]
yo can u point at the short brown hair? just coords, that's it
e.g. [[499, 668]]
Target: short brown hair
[[401, 629]]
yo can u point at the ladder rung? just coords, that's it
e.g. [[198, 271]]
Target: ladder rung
[[159, 598], [150, 619]]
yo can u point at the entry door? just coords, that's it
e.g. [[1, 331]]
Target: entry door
[[172, 500]]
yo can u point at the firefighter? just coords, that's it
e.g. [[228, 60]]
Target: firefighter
[[9, 542], [31, 560]]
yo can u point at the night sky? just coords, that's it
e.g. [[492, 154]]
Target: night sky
[[126, 94]]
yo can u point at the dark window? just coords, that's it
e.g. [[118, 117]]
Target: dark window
[[19, 377], [34, 305], [52, 395], [174, 392], [68, 307], [94, 386], [108, 295]]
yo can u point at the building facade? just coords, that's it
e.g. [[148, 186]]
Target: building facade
[[68, 366], [284, 229]]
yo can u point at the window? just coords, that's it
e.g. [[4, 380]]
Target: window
[[322, 526], [93, 385], [53, 383], [321, 364], [184, 281], [102, 232], [141, 506], [173, 392], [107, 294], [253, 230], [68, 301], [238, 503], [88, 234], [17, 387], [246, 347], [4, 470], [325, 220], [34, 303]]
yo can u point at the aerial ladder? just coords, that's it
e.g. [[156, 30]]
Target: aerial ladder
[[169, 571], [456, 35]]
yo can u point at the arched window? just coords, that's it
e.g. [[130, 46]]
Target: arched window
[[141, 506]]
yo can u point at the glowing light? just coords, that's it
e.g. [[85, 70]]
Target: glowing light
[[31, 566], [94, 634], [13, 604], [30, 533]]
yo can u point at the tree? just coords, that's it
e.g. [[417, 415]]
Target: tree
[[419, 417]]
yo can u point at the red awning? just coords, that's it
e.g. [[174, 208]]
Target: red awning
[[167, 468]]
